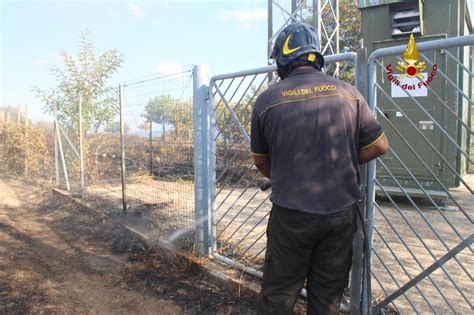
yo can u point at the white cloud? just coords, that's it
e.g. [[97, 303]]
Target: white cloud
[[136, 10], [247, 17], [167, 69]]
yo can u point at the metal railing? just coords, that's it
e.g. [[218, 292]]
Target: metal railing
[[422, 254]]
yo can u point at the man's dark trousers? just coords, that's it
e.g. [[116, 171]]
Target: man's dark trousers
[[303, 246]]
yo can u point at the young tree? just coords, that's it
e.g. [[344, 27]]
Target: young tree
[[159, 109], [84, 77], [166, 110]]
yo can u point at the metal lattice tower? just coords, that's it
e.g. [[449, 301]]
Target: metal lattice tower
[[322, 14]]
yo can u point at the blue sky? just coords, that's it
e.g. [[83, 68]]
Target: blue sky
[[154, 36]]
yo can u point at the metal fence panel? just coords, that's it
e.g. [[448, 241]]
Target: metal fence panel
[[421, 222], [157, 120]]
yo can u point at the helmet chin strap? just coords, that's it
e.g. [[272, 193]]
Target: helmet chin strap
[[284, 71]]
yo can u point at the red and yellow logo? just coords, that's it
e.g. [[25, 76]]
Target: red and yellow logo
[[411, 67]]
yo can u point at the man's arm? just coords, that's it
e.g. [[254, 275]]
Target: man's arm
[[377, 148], [258, 143], [262, 162]]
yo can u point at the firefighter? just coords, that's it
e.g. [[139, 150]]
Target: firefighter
[[310, 132]]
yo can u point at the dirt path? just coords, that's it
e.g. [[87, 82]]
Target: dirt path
[[57, 258]]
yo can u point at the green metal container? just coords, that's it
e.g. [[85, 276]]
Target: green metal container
[[390, 23]]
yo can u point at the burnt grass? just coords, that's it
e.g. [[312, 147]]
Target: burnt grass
[[168, 276], [162, 274], [152, 274], [170, 160]]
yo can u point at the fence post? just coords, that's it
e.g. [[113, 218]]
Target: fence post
[[370, 197], [81, 147], [201, 115], [269, 36], [56, 153], [357, 266], [122, 150], [212, 172], [63, 158], [151, 148]]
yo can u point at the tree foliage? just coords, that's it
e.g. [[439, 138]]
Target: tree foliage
[[159, 109], [349, 33], [168, 111], [85, 76], [350, 25]]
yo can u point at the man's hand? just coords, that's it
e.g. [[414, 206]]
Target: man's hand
[[262, 162], [374, 150]]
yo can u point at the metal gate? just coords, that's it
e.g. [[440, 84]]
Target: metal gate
[[421, 226], [231, 211]]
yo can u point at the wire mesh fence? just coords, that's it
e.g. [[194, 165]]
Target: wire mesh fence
[[422, 233], [158, 137]]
